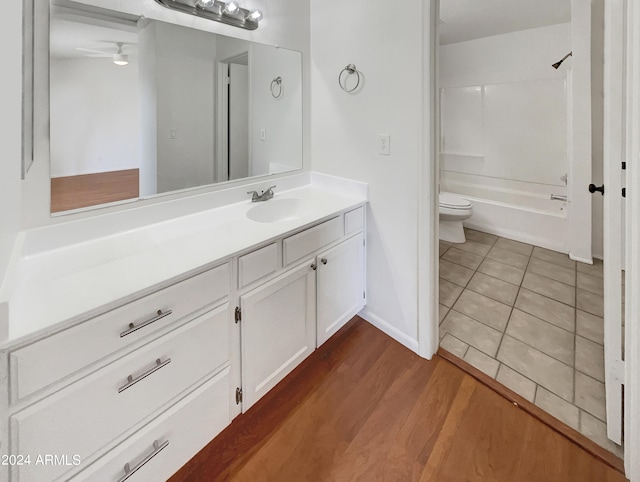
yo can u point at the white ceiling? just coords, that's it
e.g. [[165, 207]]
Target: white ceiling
[[462, 20]]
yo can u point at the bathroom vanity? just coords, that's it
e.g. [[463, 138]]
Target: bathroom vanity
[[124, 355]]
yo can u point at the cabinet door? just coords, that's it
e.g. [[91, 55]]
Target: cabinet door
[[340, 286], [277, 330]]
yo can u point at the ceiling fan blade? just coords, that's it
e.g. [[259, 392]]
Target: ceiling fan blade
[[94, 51], [98, 56]]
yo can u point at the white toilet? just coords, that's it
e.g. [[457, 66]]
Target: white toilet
[[453, 210]]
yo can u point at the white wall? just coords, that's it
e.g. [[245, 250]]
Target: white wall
[[503, 89], [279, 118], [285, 23], [94, 116], [387, 49], [10, 134], [185, 96]]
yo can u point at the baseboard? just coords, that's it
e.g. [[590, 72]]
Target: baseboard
[[390, 330]]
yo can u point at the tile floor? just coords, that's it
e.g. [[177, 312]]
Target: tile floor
[[532, 319]]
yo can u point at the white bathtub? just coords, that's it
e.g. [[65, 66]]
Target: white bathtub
[[506, 209]]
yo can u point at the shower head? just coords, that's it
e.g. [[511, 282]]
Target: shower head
[[558, 63]]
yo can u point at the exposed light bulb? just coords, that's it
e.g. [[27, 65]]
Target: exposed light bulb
[[231, 8], [206, 3], [255, 15]]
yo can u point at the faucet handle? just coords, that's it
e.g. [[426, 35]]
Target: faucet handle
[[254, 195], [271, 188]]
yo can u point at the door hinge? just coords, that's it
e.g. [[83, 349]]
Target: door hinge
[[238, 396], [624, 192], [364, 295], [624, 165], [238, 314]]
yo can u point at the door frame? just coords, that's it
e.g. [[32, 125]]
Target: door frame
[[632, 285]]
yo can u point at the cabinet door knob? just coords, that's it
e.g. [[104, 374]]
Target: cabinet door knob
[[324, 260], [314, 266]]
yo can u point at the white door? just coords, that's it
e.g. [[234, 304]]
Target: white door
[[613, 237], [238, 121], [340, 281], [277, 330]]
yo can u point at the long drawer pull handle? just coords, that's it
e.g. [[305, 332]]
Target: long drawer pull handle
[[132, 381], [157, 448], [161, 314]]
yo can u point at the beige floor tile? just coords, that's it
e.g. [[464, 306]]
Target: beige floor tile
[[480, 237], [455, 273], [547, 338], [442, 312], [590, 326], [508, 257], [474, 247], [559, 408], [443, 249], [535, 365], [590, 302], [516, 382], [463, 258], [546, 309], [590, 358], [482, 362], [553, 257], [552, 271], [454, 346], [449, 292], [590, 395], [483, 309], [493, 288], [514, 246], [550, 288], [591, 283], [596, 430], [594, 269], [472, 332], [502, 271]]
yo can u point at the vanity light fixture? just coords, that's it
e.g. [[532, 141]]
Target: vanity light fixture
[[225, 12]]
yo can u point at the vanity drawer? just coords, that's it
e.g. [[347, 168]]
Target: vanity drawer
[[257, 264], [303, 244], [90, 413], [47, 361], [187, 426], [354, 221]]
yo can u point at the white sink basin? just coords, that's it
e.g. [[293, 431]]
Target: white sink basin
[[275, 210]]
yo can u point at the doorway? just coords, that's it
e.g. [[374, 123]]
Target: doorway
[[513, 303], [234, 161]]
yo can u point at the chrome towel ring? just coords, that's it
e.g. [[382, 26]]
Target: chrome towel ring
[[276, 87], [342, 80]]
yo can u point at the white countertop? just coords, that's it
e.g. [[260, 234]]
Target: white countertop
[[55, 288]]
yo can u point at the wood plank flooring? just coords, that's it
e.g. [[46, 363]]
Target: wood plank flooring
[[365, 408], [74, 192]]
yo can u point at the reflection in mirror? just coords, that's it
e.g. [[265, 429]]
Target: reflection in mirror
[[140, 107]]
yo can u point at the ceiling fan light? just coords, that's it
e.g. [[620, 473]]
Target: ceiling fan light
[[120, 59], [255, 15], [231, 8]]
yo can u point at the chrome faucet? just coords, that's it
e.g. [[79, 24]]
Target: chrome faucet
[[264, 196]]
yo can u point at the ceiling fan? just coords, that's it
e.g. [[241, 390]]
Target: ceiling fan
[[119, 58]]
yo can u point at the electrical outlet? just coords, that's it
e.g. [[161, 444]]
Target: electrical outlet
[[263, 134], [384, 144]]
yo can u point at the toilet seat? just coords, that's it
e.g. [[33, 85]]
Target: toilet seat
[[451, 201]]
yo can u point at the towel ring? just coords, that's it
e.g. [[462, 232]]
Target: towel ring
[[276, 87], [350, 70]]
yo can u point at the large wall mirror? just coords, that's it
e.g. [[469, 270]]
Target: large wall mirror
[[141, 107]]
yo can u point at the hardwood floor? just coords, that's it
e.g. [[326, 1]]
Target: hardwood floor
[[74, 192], [363, 407]]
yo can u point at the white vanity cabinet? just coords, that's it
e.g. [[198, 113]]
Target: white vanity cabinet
[[318, 289], [137, 390]]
